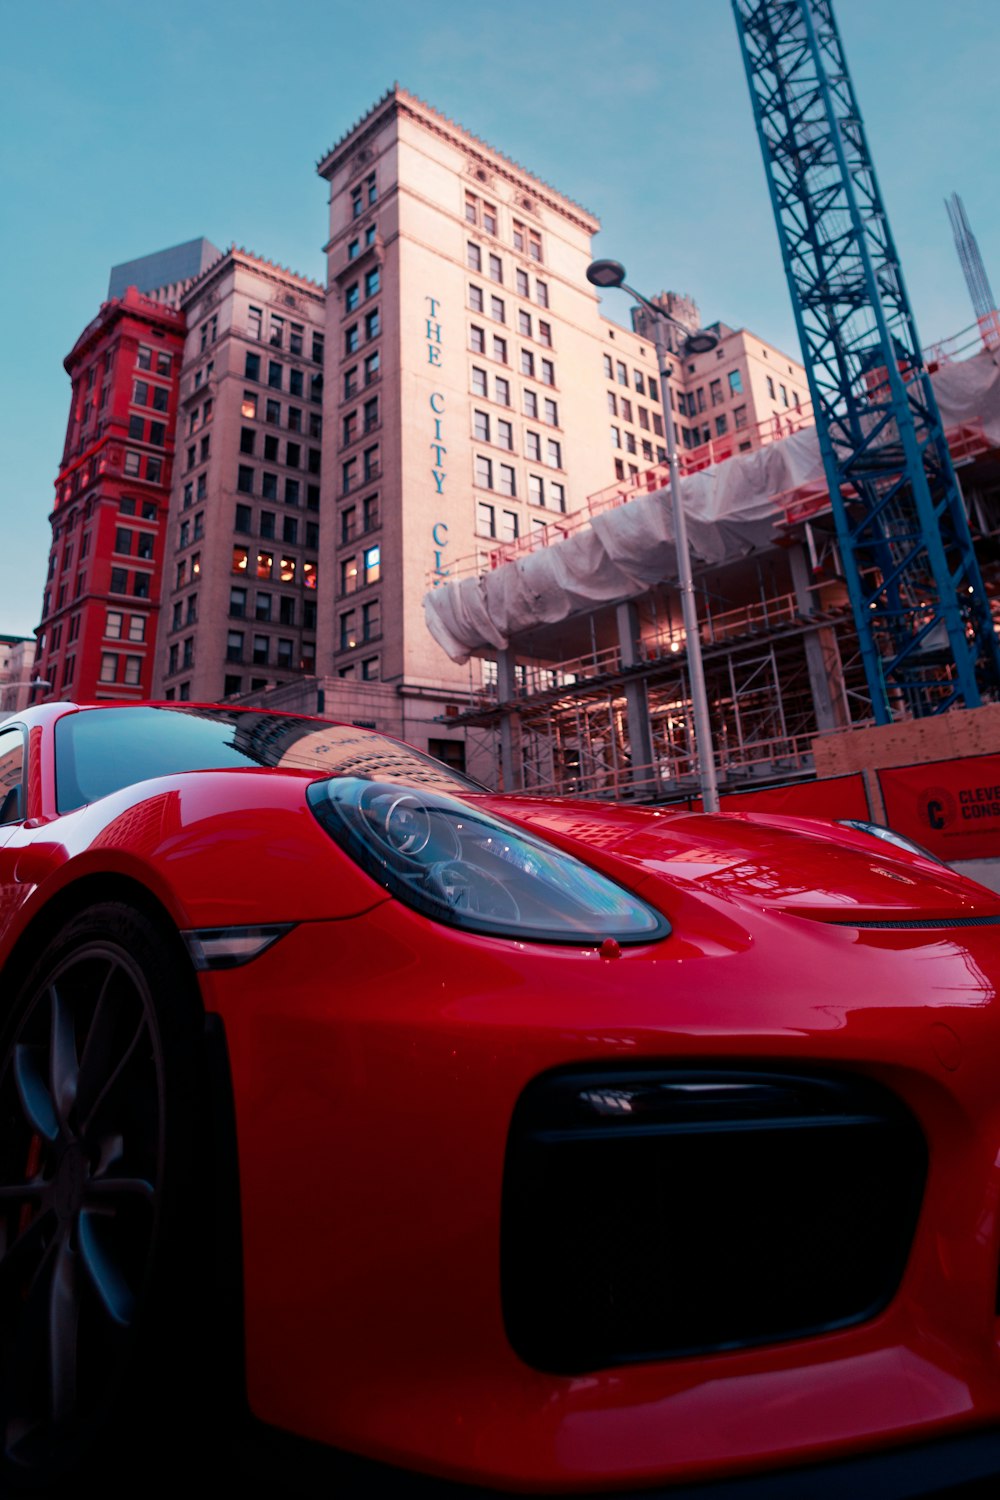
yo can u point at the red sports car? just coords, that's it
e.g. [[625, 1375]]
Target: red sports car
[[573, 1148]]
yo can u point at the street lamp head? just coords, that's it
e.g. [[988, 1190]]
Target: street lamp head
[[700, 342], [606, 273]]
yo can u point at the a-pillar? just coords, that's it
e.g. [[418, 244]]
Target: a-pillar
[[511, 762], [826, 673], [640, 736]]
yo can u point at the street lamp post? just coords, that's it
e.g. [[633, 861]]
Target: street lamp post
[[611, 273]]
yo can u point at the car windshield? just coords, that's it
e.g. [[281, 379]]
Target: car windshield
[[98, 751]]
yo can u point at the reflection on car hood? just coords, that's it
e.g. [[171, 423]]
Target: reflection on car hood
[[807, 866]]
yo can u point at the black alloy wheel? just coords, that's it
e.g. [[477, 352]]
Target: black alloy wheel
[[97, 1085]]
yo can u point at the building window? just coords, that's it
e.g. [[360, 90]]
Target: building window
[[498, 311], [133, 463], [527, 363], [505, 435], [309, 575], [508, 485], [530, 404], [473, 256], [372, 324], [524, 323], [481, 426], [370, 669], [483, 469], [263, 605], [533, 445], [557, 496], [720, 425], [477, 339], [348, 629], [371, 620], [275, 372], [371, 367], [286, 649], [265, 564], [113, 624], [496, 268], [241, 559], [109, 667], [536, 490], [261, 650], [119, 581], [551, 411], [372, 282], [739, 417], [348, 575], [485, 519], [251, 367], [372, 564], [502, 390], [352, 298], [735, 382], [545, 333], [133, 671], [237, 602], [509, 526], [553, 454], [244, 479], [499, 349], [548, 372], [234, 645]]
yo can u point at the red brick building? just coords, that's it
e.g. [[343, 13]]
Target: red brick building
[[102, 596]]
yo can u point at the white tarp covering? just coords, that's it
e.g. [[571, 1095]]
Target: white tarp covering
[[730, 510]]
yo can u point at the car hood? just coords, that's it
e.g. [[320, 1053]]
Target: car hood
[[804, 866]]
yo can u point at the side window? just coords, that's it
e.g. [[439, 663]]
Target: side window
[[11, 776]]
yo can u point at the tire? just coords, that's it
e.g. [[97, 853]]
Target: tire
[[99, 1093]]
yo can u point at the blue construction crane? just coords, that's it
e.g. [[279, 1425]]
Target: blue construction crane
[[923, 618]]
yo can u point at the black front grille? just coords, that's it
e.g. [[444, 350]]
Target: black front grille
[[657, 1213]]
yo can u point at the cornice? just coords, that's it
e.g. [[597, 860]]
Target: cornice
[[399, 101]]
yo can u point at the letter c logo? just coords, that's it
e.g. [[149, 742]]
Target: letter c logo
[[934, 811], [437, 410], [440, 541]]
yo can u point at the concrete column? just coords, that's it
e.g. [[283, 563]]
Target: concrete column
[[511, 762], [826, 677], [640, 736]]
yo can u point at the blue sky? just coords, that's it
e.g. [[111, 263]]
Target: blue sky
[[129, 127]]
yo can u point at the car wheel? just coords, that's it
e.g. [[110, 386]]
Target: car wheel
[[98, 1090]]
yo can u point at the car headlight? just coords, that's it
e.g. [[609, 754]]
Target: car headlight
[[889, 836], [464, 867]]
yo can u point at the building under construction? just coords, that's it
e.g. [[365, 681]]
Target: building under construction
[[591, 694]]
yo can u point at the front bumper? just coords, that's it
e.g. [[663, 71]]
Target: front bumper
[[377, 1063]]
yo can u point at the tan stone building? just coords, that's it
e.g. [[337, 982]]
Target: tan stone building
[[241, 578], [474, 392]]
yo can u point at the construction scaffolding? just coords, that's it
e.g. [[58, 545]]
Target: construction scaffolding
[[597, 703]]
